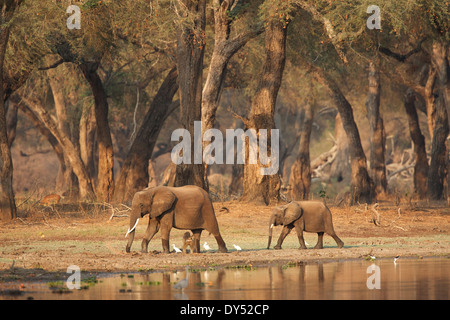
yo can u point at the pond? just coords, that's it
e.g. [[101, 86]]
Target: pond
[[409, 278]]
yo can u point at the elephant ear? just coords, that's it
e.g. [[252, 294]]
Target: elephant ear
[[292, 212], [163, 200]]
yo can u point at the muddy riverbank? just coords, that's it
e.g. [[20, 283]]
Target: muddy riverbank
[[44, 245]]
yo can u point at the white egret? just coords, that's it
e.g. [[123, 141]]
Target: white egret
[[176, 249], [237, 247], [206, 246]]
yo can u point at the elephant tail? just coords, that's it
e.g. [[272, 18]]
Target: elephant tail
[[132, 229]]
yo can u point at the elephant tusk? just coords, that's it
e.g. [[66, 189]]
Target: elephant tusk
[[271, 226], [131, 230]]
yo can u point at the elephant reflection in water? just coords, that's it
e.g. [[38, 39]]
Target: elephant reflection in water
[[305, 280]]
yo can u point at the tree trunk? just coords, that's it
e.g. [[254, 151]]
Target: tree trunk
[[377, 134], [438, 163], [70, 150], [421, 161], [88, 129], [300, 178], [7, 202], [11, 123], [428, 95], [362, 189], [134, 174], [224, 50], [218, 65], [237, 170], [47, 135], [56, 81], [340, 167], [190, 51], [105, 179], [257, 187], [237, 173]]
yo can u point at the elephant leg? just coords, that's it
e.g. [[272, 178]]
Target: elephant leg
[[152, 229], [196, 240], [220, 243], [284, 233], [165, 234], [219, 240], [319, 244], [212, 226], [339, 242], [301, 240]]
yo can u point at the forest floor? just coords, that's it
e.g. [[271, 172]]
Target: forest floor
[[45, 242]]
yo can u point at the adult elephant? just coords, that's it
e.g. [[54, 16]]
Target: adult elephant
[[309, 216], [186, 208]]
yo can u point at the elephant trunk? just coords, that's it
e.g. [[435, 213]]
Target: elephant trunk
[[271, 224], [133, 223]]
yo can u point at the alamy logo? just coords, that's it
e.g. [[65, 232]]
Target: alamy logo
[[374, 280], [74, 281], [374, 21], [74, 21], [213, 153]]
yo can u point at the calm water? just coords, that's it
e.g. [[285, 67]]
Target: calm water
[[427, 278]]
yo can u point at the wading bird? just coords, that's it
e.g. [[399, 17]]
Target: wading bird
[[396, 258], [183, 283], [206, 246], [176, 249]]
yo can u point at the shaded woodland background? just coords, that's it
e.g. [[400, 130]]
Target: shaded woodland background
[[88, 114]]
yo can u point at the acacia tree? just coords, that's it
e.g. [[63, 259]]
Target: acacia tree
[[45, 132], [426, 23], [190, 51], [318, 16], [439, 163], [7, 202], [58, 79], [403, 22], [258, 187], [105, 187], [134, 172], [300, 177], [361, 184], [15, 67], [377, 134], [86, 48], [421, 161], [225, 46], [69, 147]]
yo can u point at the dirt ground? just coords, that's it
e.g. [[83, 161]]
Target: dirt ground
[[47, 241]]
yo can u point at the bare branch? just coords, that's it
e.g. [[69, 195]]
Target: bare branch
[[52, 66], [316, 15], [402, 57], [237, 116]]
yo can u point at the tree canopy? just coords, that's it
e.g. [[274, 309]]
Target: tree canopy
[[97, 88]]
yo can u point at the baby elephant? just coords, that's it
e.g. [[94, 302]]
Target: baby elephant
[[309, 216]]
